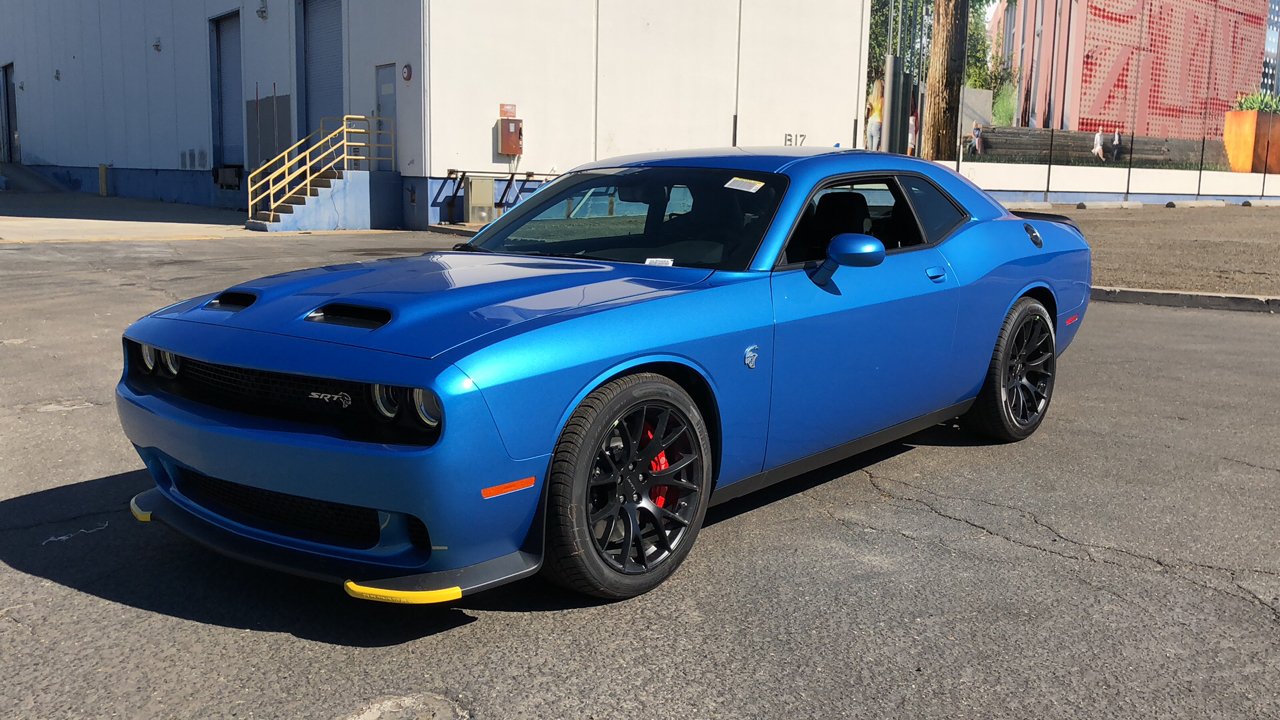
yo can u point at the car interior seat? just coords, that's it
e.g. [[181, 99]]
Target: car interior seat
[[836, 213]]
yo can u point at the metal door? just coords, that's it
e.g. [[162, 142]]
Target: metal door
[[229, 103], [866, 352], [9, 149], [322, 60], [385, 77]]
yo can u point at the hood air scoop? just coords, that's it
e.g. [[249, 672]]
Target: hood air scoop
[[360, 316], [232, 300]]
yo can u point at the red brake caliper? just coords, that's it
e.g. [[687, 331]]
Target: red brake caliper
[[659, 494]]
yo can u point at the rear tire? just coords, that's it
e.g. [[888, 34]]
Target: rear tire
[[629, 488], [1019, 385]]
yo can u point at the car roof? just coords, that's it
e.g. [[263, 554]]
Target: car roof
[[762, 159], [788, 160], [806, 166]]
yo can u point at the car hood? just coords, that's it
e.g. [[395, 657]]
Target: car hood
[[425, 305]]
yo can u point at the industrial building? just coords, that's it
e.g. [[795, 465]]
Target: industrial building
[[197, 101]]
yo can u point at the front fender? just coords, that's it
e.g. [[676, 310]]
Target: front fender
[[533, 381]]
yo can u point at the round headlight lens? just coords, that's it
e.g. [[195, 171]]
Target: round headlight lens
[[148, 358], [427, 407], [385, 400], [172, 363]]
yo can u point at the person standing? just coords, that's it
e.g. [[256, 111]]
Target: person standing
[[1115, 145], [875, 115]]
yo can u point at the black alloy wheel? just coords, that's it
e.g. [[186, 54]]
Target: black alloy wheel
[[629, 486], [1019, 385], [1029, 371], [640, 502]]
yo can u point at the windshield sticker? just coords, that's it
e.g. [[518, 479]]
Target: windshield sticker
[[744, 184], [664, 262]]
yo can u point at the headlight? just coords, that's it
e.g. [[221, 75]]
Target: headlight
[[385, 400], [172, 363], [427, 407], [148, 358]]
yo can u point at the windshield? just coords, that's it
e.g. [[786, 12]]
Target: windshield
[[690, 217]]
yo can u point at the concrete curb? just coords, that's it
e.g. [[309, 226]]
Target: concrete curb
[[461, 230], [1261, 203], [1111, 205], [1178, 298], [1196, 203]]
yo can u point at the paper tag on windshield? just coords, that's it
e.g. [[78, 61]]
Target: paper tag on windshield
[[664, 262], [745, 184]]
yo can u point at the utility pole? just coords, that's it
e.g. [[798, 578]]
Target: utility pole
[[946, 77]]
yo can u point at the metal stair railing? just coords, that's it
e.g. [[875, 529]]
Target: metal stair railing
[[359, 142]]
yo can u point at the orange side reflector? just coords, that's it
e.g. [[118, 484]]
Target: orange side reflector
[[503, 489]]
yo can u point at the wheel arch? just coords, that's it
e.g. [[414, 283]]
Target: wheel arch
[[1044, 295], [683, 372]]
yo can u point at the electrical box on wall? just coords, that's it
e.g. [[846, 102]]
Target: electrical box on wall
[[510, 136], [479, 201]]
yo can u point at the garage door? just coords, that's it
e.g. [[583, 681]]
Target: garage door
[[230, 91], [322, 43]]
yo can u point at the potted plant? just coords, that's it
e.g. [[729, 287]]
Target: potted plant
[[1252, 133]]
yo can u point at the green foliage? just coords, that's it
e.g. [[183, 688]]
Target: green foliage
[[1004, 105], [1261, 101], [977, 55]]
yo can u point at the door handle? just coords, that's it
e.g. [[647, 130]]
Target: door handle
[[936, 273]]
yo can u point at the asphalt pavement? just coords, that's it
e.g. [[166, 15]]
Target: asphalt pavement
[[1123, 562]]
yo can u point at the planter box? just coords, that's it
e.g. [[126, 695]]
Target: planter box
[[1253, 141]]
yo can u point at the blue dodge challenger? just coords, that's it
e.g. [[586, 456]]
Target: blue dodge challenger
[[567, 393]]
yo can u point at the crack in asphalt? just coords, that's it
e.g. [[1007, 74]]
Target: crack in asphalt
[[1170, 567], [1167, 446], [58, 521]]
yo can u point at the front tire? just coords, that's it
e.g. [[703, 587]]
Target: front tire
[[630, 483], [1019, 384]]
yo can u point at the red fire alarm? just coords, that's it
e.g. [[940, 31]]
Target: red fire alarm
[[510, 136]]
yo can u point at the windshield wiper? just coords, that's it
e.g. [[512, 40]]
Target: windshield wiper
[[468, 247], [570, 256]]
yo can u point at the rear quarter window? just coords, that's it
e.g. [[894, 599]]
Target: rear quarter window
[[937, 213]]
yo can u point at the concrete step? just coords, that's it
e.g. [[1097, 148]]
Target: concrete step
[[258, 225]]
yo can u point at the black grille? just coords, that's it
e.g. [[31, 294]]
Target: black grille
[[261, 391], [303, 518], [342, 405]]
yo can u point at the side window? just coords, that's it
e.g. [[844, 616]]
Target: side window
[[873, 206], [938, 215]]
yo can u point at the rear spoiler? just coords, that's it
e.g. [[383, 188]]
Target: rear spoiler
[[1049, 217]]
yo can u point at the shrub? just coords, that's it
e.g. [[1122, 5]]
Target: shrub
[[1004, 105], [1261, 101]]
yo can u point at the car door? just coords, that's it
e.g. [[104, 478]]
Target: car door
[[869, 349]]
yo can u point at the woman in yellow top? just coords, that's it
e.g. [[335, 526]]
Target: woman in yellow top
[[875, 114]]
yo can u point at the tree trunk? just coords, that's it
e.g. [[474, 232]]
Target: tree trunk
[[946, 77]]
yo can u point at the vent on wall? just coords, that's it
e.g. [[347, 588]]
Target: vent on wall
[[360, 316], [232, 300]]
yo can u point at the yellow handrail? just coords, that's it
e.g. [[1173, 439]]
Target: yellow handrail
[[293, 171]]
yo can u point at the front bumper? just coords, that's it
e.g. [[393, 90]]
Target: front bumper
[[476, 538], [418, 588]]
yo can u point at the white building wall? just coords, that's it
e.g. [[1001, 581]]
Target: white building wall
[[390, 34], [115, 98], [590, 78], [594, 79], [803, 73], [667, 71], [536, 54]]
